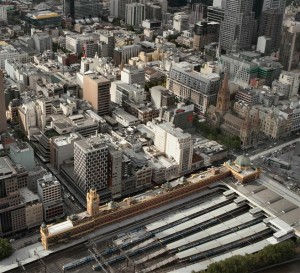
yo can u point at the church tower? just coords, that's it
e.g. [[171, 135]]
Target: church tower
[[245, 131], [255, 135], [92, 202], [223, 99]]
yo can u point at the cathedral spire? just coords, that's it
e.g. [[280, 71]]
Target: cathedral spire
[[223, 99]]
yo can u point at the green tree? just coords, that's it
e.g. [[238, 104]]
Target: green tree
[[270, 255], [5, 248]]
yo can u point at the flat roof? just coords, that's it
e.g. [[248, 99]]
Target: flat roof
[[227, 239], [59, 228], [227, 225], [185, 213], [241, 251], [124, 115], [28, 196], [196, 221], [6, 168]]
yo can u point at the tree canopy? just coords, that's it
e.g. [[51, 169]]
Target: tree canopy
[[5, 248], [215, 134], [270, 255]]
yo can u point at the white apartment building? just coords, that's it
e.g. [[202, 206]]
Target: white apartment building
[[120, 91], [181, 21], [91, 163], [49, 190], [133, 75], [176, 144], [75, 43]]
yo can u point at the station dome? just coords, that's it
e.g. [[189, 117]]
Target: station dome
[[243, 161]]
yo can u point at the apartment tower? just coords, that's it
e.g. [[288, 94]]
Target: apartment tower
[[96, 92], [91, 164]]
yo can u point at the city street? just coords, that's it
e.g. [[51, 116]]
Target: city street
[[273, 149]]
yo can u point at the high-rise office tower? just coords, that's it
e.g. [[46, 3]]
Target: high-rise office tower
[[109, 40], [96, 92], [114, 8], [153, 12], [3, 124], [135, 14], [78, 9], [270, 26], [289, 53], [91, 164], [258, 8], [274, 4], [69, 8], [205, 33], [199, 13], [177, 3], [238, 24], [215, 14], [118, 8]]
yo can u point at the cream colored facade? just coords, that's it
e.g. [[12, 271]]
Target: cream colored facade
[[175, 144], [96, 92], [157, 55], [34, 214], [272, 122]]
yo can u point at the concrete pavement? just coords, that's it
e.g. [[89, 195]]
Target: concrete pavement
[[279, 189]]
